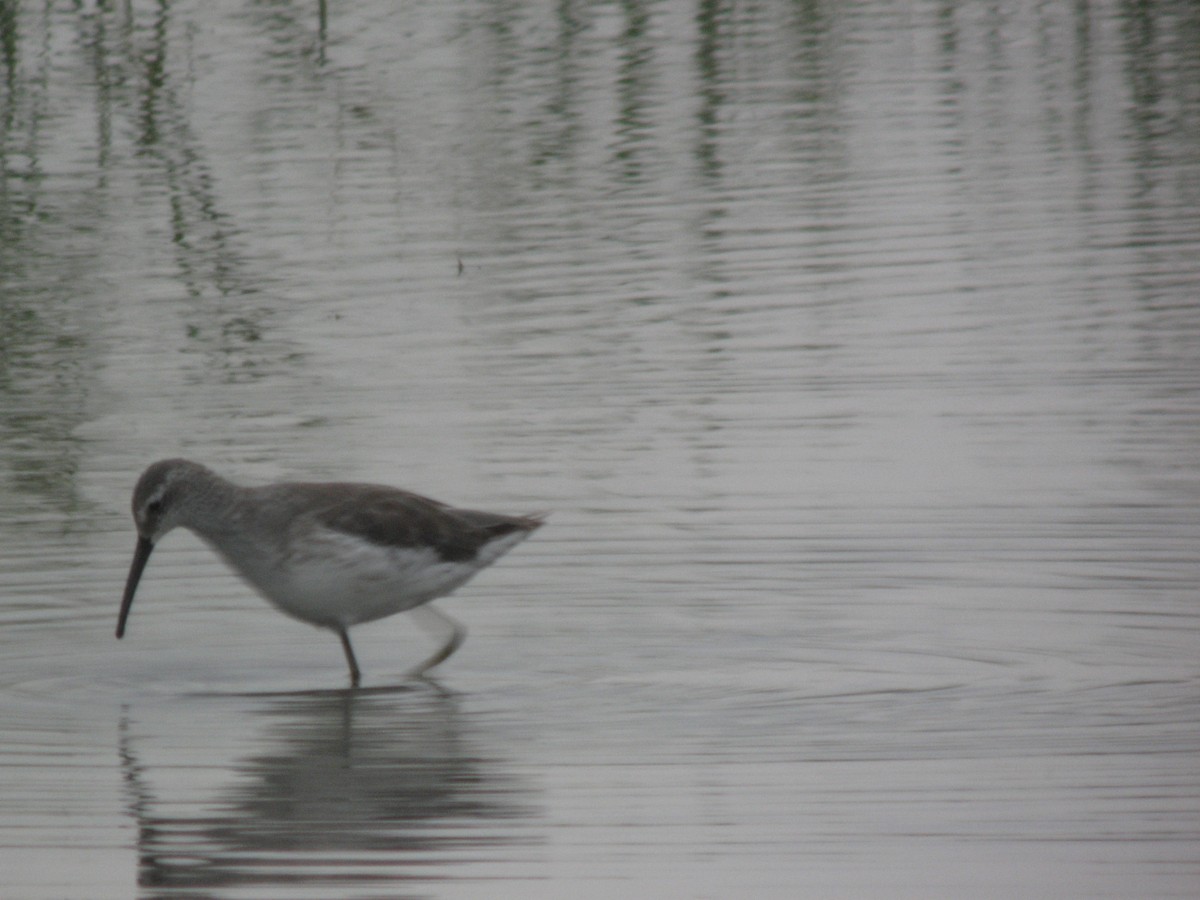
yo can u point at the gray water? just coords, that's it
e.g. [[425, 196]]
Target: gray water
[[854, 348]]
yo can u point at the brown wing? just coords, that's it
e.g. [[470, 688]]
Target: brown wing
[[391, 517]]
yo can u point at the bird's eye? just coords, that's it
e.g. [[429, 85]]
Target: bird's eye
[[154, 507]]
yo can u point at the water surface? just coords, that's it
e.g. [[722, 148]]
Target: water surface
[[854, 348]]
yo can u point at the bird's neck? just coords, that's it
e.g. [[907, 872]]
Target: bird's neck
[[213, 508]]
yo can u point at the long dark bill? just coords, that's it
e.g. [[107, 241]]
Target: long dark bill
[[141, 555]]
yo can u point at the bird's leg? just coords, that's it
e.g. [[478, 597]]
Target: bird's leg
[[355, 675], [434, 620]]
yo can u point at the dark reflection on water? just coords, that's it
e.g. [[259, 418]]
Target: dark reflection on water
[[347, 788]]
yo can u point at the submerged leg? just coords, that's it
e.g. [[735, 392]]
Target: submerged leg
[[434, 620], [355, 675]]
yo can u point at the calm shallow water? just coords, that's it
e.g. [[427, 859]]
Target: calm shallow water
[[855, 351]]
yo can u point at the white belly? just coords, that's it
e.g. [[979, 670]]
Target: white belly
[[337, 580]]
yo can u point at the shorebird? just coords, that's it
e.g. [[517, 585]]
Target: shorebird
[[330, 554]]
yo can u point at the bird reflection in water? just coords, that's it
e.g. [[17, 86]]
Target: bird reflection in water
[[370, 789]]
